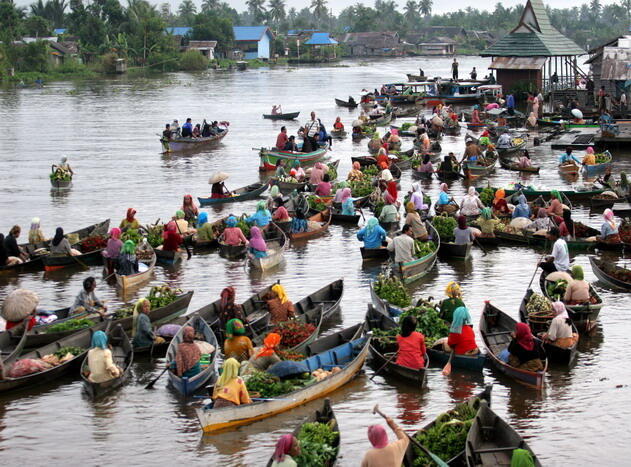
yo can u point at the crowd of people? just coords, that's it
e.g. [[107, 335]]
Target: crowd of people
[[188, 130]]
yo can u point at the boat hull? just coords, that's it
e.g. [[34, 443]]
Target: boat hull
[[191, 144], [242, 194]]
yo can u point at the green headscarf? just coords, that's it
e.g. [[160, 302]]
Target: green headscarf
[[556, 194], [487, 213], [371, 224], [179, 214], [577, 273], [274, 191], [461, 317], [230, 371], [522, 458], [235, 327], [296, 163], [261, 206], [129, 247]]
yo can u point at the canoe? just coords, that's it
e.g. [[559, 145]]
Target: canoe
[[416, 78], [54, 262], [412, 453], [339, 134], [474, 170], [451, 250], [603, 271], [413, 270], [506, 152], [288, 187], [60, 184], [275, 250], [170, 258], [313, 315], [599, 202], [269, 157], [569, 168], [123, 357], [232, 252], [381, 121], [572, 195], [585, 317], [514, 166], [323, 218], [554, 353], [80, 339], [496, 328], [188, 386], [135, 280], [245, 193], [283, 116], [346, 104], [347, 354], [601, 167], [382, 305], [491, 441], [383, 353], [191, 144], [474, 363], [374, 254], [452, 130], [325, 416]]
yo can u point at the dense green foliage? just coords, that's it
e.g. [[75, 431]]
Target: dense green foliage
[[70, 325], [392, 290], [317, 441]]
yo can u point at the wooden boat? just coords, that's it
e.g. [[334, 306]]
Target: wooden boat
[[275, 250], [415, 78], [191, 144], [343, 103], [381, 121], [54, 262], [10, 349], [514, 166], [324, 416], [572, 195], [600, 202], [232, 252], [585, 317], [248, 192], [414, 270], [475, 363], [288, 187], [412, 453], [491, 441], [270, 156], [134, 280], [374, 254], [188, 386], [474, 170], [507, 152], [323, 218], [171, 258], [382, 305], [283, 116], [451, 250], [342, 350], [603, 270], [555, 354], [339, 134], [452, 130], [60, 184], [569, 168], [496, 328], [604, 166], [448, 174], [123, 357], [80, 339], [314, 316]]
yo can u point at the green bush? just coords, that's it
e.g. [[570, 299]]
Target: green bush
[[192, 60], [164, 61], [107, 63]]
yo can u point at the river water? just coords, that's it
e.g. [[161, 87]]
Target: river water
[[108, 129]]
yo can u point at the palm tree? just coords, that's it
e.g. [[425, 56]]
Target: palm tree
[[425, 7], [319, 8], [187, 9], [277, 11], [411, 11], [256, 9], [210, 5]]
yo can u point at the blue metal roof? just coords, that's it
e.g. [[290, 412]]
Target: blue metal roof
[[250, 33], [295, 32], [321, 38], [59, 31], [179, 31]]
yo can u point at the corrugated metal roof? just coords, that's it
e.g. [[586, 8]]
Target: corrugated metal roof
[[616, 64], [250, 33], [518, 63], [321, 38]]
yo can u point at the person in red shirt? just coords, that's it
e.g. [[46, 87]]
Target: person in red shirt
[[281, 139], [461, 337], [411, 345], [171, 238], [338, 125]]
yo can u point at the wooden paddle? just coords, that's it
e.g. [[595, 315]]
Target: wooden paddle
[[447, 368], [154, 381], [433, 456], [384, 365], [477, 242], [536, 269]]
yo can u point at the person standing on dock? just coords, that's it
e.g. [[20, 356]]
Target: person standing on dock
[[454, 70]]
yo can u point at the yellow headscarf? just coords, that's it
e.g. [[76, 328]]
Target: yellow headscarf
[[230, 371], [280, 292], [410, 206], [453, 290], [137, 308]]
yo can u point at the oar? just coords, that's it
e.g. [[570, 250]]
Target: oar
[[477, 242], [536, 269], [447, 368], [433, 456], [384, 365], [153, 382]]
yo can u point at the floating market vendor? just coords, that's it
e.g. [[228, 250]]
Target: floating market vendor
[[461, 339], [60, 246], [403, 246], [262, 217], [560, 258], [35, 234], [280, 307], [373, 235], [141, 331], [190, 210], [237, 345], [100, 362], [87, 302], [257, 245], [287, 447], [560, 332], [127, 262], [523, 351], [230, 389], [411, 351], [453, 301], [187, 355], [233, 235], [130, 221], [382, 453]]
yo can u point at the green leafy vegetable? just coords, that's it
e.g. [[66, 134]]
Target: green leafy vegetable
[[445, 226], [70, 325], [61, 353], [392, 290], [317, 444]]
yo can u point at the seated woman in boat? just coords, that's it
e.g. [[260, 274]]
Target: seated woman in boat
[[282, 139], [182, 224], [228, 308], [206, 129], [449, 164], [219, 190], [114, 245], [524, 161], [542, 221], [273, 198], [130, 221], [324, 187], [382, 453], [171, 239], [281, 214], [500, 206], [205, 232], [357, 132], [411, 352], [556, 204], [461, 337], [280, 171], [317, 173], [463, 234], [566, 228], [382, 158], [471, 204], [35, 234], [101, 365], [277, 110], [523, 352], [287, 447], [63, 167], [187, 355], [426, 167], [233, 235], [609, 229], [394, 137], [190, 210], [413, 219], [373, 235], [560, 332], [262, 217], [230, 389], [237, 345], [392, 194], [280, 307], [338, 125], [445, 201], [265, 356], [385, 173], [348, 206], [577, 290], [291, 145], [86, 302], [363, 116], [487, 223], [522, 209], [389, 213], [452, 302], [20, 306], [5, 258], [300, 172], [127, 263], [257, 245], [416, 197], [60, 246], [197, 131]]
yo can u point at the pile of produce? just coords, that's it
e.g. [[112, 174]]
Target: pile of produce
[[625, 232], [448, 436], [317, 444], [293, 333], [144, 254], [616, 272], [93, 243], [392, 290], [316, 203], [243, 225], [517, 141], [286, 355], [428, 322], [423, 249], [28, 366], [487, 195], [378, 207], [332, 172], [406, 126], [360, 188], [581, 230], [159, 296], [556, 290], [70, 325], [445, 226], [602, 158], [266, 385], [287, 179], [370, 170], [60, 176], [321, 374], [132, 234], [154, 234], [539, 306]]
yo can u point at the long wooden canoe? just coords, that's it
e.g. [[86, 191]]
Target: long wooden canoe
[[475, 170], [11, 349], [232, 252], [603, 270], [349, 355], [245, 193], [514, 166], [188, 386], [451, 250], [126, 283], [496, 328], [374, 254], [191, 144], [60, 184], [56, 262], [323, 219], [343, 103], [414, 270], [123, 357], [506, 152], [382, 305], [569, 168], [283, 116], [275, 250], [270, 156]]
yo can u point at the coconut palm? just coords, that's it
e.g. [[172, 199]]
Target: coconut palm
[[256, 9], [411, 12], [277, 11], [425, 7], [319, 8], [210, 5]]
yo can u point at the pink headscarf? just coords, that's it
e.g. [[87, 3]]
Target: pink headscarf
[[559, 309], [256, 239], [608, 216], [115, 233], [394, 132], [590, 150], [283, 446], [444, 187], [346, 193], [378, 436]]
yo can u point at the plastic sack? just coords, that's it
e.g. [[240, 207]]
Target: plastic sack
[[27, 366], [168, 330], [287, 368], [204, 347]]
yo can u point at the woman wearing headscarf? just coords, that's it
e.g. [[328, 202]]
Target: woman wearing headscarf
[[262, 217], [500, 206], [426, 166], [87, 302], [100, 362], [609, 229], [324, 187], [524, 161], [382, 158], [60, 246], [566, 228], [471, 204], [542, 222], [35, 234], [485, 139], [443, 198], [181, 224], [373, 235], [190, 210], [130, 221], [171, 239], [348, 206], [229, 309], [257, 246], [299, 222], [411, 350], [556, 204], [413, 219], [281, 214], [114, 244], [272, 199], [317, 173], [463, 234], [141, 330], [187, 355], [127, 261], [389, 213], [392, 193], [522, 209], [287, 447], [589, 158], [300, 172], [452, 302], [338, 125], [487, 223], [237, 345], [355, 174], [230, 389], [385, 174], [382, 453], [577, 290], [233, 235], [20, 305], [461, 339], [280, 307], [265, 356], [523, 352], [416, 197], [205, 232], [560, 331]]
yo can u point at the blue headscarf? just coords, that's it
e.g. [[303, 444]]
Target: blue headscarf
[[461, 317], [231, 221], [371, 224], [99, 339], [202, 219]]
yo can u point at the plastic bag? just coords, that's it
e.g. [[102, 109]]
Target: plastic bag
[[27, 366]]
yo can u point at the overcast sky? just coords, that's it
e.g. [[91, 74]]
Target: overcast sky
[[338, 5]]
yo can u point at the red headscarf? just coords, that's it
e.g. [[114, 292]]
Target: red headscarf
[[131, 212], [168, 229], [523, 335], [392, 189], [283, 447]]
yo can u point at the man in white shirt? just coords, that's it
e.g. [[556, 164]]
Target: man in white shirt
[[312, 129], [623, 104], [560, 258], [504, 141], [403, 245]]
